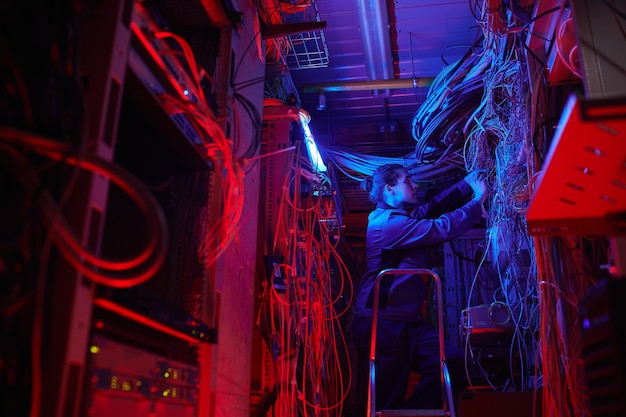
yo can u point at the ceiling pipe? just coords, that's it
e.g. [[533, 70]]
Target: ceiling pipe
[[394, 83], [374, 21], [374, 24]]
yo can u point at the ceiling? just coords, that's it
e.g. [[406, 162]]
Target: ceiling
[[373, 60], [422, 38]]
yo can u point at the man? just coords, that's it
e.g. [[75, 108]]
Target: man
[[400, 234]]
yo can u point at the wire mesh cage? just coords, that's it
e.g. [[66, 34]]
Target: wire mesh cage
[[305, 49]]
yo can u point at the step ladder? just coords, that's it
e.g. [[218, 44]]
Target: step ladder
[[446, 386]]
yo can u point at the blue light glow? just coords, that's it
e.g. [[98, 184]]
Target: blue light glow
[[314, 154]]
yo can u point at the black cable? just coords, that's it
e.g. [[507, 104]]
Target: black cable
[[540, 15], [256, 119], [248, 83], [614, 9], [461, 256], [243, 55], [268, 403]]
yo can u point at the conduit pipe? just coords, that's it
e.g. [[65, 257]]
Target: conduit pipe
[[374, 21], [394, 83]]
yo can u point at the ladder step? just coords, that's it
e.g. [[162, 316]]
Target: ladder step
[[413, 413]]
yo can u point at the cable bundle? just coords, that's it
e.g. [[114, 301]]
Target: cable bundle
[[564, 279], [477, 111], [437, 126], [119, 273], [496, 139], [305, 322], [219, 150], [544, 295]]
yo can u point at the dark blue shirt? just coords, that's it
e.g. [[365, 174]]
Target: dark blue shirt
[[398, 238]]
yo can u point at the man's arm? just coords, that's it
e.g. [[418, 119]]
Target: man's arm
[[452, 198]]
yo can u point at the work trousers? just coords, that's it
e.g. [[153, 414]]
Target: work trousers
[[402, 347]]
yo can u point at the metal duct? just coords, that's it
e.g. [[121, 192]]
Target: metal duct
[[368, 85], [374, 21]]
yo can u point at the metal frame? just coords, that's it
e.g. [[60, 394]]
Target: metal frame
[[307, 48], [446, 389]]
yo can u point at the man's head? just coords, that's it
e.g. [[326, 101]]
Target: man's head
[[392, 184]]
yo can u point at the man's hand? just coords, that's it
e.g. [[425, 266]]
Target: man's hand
[[478, 181]]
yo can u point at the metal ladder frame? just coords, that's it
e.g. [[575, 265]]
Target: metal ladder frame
[[446, 388]]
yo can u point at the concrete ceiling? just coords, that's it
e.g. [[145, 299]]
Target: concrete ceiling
[[423, 37]]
